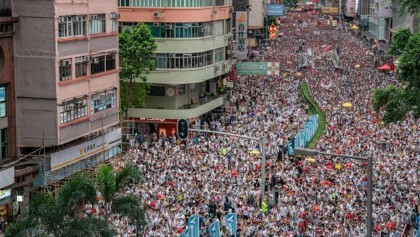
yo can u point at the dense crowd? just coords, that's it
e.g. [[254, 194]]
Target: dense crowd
[[212, 175]]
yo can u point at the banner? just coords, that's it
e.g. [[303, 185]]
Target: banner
[[304, 136], [275, 10], [258, 68], [241, 35], [186, 233], [231, 220], [214, 229], [194, 225]]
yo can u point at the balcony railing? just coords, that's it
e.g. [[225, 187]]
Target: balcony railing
[[5, 8]]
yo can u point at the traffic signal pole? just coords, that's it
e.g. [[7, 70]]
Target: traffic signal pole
[[260, 140]]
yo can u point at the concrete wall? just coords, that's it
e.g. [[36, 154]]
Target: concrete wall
[[256, 17], [35, 58]]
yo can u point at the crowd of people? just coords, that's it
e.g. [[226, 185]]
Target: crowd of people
[[212, 175]]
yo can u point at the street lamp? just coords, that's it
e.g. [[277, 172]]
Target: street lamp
[[310, 152]]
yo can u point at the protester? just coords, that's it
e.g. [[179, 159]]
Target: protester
[[211, 175]]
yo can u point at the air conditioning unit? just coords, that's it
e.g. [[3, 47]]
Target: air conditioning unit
[[93, 17], [65, 62], [61, 19], [86, 58], [168, 27], [157, 14], [172, 55], [214, 12], [79, 60], [217, 68], [156, 24], [114, 16], [95, 60]]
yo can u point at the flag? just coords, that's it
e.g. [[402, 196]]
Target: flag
[[231, 222], [214, 229], [273, 69], [186, 233], [194, 226]]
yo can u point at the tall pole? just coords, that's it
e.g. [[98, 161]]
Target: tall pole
[[262, 142], [369, 197]]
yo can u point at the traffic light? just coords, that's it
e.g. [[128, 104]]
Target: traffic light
[[182, 129]]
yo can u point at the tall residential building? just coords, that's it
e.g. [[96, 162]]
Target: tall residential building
[[67, 84], [193, 58]]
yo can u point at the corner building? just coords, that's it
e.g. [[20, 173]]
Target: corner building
[[193, 57]]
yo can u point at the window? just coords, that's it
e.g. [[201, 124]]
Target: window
[[102, 63], [190, 3], [73, 109], [124, 3], [97, 64], [184, 61], [3, 142], [218, 25], [3, 112], [156, 91], [81, 65], [218, 55], [97, 24], [180, 30], [148, 3], [110, 61], [65, 70], [70, 26], [220, 2], [113, 22], [103, 100]]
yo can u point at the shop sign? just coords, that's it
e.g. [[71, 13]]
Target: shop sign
[[7, 177], [241, 35], [85, 150]]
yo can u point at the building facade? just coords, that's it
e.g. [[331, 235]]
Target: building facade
[[193, 57], [67, 83]]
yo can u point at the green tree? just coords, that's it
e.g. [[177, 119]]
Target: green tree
[[404, 99], [290, 3], [409, 7], [399, 41], [137, 58], [59, 216], [110, 183]]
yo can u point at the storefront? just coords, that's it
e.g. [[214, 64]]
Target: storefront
[[5, 206], [165, 127]]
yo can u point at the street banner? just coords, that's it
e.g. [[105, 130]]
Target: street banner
[[231, 222], [214, 229], [194, 225], [258, 68], [241, 35], [186, 233], [275, 10]]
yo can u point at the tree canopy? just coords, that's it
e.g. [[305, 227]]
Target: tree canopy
[[403, 99], [137, 58], [399, 41], [409, 7]]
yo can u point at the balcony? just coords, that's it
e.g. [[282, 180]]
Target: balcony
[[192, 110], [5, 8]]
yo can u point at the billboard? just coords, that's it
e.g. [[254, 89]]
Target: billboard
[[7, 177], [258, 68], [275, 10], [329, 10], [85, 150], [241, 35]]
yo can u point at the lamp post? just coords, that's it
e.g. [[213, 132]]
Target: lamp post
[[310, 152]]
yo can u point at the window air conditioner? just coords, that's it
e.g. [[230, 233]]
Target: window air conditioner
[[156, 24], [172, 55], [157, 14], [64, 62], [169, 27], [79, 60], [114, 16], [217, 68], [86, 58], [95, 60], [93, 17], [61, 19]]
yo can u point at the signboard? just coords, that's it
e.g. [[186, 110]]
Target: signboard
[[7, 177], [194, 225], [241, 35], [275, 10], [214, 229], [5, 193], [85, 150], [258, 68], [231, 223], [329, 10]]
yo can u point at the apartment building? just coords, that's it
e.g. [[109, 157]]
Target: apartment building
[[67, 83], [193, 58]]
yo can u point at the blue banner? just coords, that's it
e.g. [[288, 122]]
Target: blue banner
[[186, 233], [231, 220], [194, 225], [275, 10], [214, 229]]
